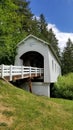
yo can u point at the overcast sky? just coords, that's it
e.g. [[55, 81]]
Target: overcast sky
[[59, 16]]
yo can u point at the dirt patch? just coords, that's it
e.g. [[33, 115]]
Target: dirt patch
[[7, 120], [5, 116], [3, 108]]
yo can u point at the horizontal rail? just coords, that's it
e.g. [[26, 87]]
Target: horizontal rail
[[10, 71]]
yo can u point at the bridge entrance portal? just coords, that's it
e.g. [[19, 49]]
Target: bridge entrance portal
[[33, 59]]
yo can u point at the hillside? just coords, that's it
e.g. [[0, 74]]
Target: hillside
[[20, 110]]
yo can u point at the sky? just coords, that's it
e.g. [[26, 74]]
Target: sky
[[59, 16]]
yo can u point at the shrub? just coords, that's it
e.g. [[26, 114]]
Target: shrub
[[63, 88]]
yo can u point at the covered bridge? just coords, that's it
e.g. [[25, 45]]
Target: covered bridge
[[36, 52]]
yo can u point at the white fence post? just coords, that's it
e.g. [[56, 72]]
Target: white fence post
[[22, 71], [36, 71], [2, 70], [40, 71], [10, 72], [30, 71]]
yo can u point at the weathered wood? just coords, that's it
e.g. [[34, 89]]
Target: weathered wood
[[30, 84]]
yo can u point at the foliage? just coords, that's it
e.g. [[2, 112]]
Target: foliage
[[40, 29], [24, 14], [64, 87], [67, 58], [10, 31], [43, 27], [54, 42]]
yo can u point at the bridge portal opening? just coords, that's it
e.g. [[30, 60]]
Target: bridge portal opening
[[33, 59]]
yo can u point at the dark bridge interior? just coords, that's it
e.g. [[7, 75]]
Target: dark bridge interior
[[33, 59]]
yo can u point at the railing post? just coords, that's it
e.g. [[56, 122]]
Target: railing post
[[36, 71], [22, 71], [30, 71], [10, 72], [2, 70], [40, 72]]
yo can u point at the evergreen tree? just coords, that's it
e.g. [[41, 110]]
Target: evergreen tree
[[53, 42], [35, 27], [48, 35], [25, 14], [40, 29], [43, 27], [67, 58]]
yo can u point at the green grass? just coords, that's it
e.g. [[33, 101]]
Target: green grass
[[21, 110]]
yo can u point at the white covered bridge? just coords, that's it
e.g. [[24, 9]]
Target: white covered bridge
[[35, 59]]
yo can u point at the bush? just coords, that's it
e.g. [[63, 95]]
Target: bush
[[63, 88]]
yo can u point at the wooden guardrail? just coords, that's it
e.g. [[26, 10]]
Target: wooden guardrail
[[11, 71]]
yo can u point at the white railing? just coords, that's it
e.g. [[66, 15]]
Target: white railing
[[10, 70]]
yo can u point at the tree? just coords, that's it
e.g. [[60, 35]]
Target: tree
[[53, 42], [35, 27], [25, 14], [67, 58], [11, 30], [48, 35], [42, 27]]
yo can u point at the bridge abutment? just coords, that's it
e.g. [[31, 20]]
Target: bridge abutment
[[38, 88]]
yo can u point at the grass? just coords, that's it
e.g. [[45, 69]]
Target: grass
[[21, 110]]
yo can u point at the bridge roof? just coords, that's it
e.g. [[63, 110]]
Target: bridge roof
[[29, 36]]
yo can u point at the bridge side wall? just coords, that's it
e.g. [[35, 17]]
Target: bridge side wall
[[55, 68]]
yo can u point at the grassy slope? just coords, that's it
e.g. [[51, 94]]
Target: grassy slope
[[20, 110]]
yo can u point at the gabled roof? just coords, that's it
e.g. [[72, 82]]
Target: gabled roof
[[29, 36], [32, 36]]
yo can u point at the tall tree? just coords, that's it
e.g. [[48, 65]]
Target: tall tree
[[35, 27], [41, 30], [11, 31], [53, 42], [43, 27], [7, 29], [25, 14], [67, 58]]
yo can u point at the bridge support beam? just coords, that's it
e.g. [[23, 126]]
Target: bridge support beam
[[30, 84]]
